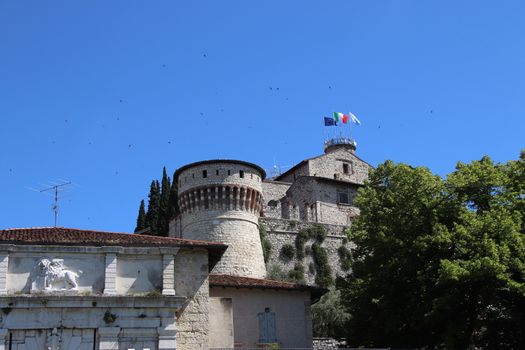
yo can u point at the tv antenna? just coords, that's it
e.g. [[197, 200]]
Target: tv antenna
[[55, 188]]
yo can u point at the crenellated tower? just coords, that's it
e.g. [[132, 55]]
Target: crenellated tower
[[221, 201]]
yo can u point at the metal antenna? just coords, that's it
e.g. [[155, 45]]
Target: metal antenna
[[55, 188]]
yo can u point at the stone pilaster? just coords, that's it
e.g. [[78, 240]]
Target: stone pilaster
[[3, 335], [167, 339], [108, 338], [168, 274], [110, 281], [4, 262]]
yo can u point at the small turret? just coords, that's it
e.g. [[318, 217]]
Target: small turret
[[338, 143], [221, 201]]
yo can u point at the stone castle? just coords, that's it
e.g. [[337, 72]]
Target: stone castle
[[215, 283], [232, 202]]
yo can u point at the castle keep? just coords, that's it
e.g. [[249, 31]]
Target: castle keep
[[231, 201]]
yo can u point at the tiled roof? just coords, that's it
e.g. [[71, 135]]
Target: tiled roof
[[73, 236], [259, 283]]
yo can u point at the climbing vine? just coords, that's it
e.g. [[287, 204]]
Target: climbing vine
[[265, 243], [288, 251], [323, 276], [345, 258], [316, 232]]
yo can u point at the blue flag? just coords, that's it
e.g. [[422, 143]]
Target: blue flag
[[329, 121]]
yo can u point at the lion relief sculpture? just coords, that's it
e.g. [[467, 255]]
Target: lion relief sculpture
[[53, 271]]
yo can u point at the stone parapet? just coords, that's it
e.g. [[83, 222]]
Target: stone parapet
[[293, 226]]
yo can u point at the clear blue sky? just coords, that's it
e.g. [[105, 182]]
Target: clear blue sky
[[105, 93]]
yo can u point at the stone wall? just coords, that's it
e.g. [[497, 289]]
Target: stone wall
[[273, 193], [318, 200], [219, 173], [330, 166], [284, 232], [239, 230], [191, 274], [221, 201]]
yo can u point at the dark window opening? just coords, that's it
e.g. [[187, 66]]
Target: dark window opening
[[335, 176], [228, 172], [205, 173], [342, 198], [241, 173], [272, 203], [217, 172], [346, 168]]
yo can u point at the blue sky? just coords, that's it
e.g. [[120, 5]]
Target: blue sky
[[105, 93]]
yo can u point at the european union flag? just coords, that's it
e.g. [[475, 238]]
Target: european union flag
[[329, 121]]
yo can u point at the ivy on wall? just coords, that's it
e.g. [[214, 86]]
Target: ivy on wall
[[265, 243], [323, 276], [288, 251], [308, 242], [345, 258]]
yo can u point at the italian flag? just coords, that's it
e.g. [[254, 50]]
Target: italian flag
[[340, 117]]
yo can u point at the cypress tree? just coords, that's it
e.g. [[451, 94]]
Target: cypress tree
[[141, 218], [152, 216], [173, 209], [164, 219]]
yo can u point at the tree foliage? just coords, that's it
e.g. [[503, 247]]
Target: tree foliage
[[328, 318], [439, 262], [141, 217], [162, 207]]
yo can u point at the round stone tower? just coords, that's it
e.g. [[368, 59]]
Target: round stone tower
[[221, 201]]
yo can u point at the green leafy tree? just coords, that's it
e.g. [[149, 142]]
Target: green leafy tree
[[329, 318], [439, 263], [141, 217]]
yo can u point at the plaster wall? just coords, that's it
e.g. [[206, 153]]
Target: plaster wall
[[221, 323], [23, 270], [139, 274], [292, 309]]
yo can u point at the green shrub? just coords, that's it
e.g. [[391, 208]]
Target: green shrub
[[288, 251], [297, 274], [275, 272]]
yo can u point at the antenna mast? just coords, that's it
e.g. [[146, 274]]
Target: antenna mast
[[55, 188]]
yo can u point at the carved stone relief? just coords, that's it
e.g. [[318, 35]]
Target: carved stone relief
[[55, 277]]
